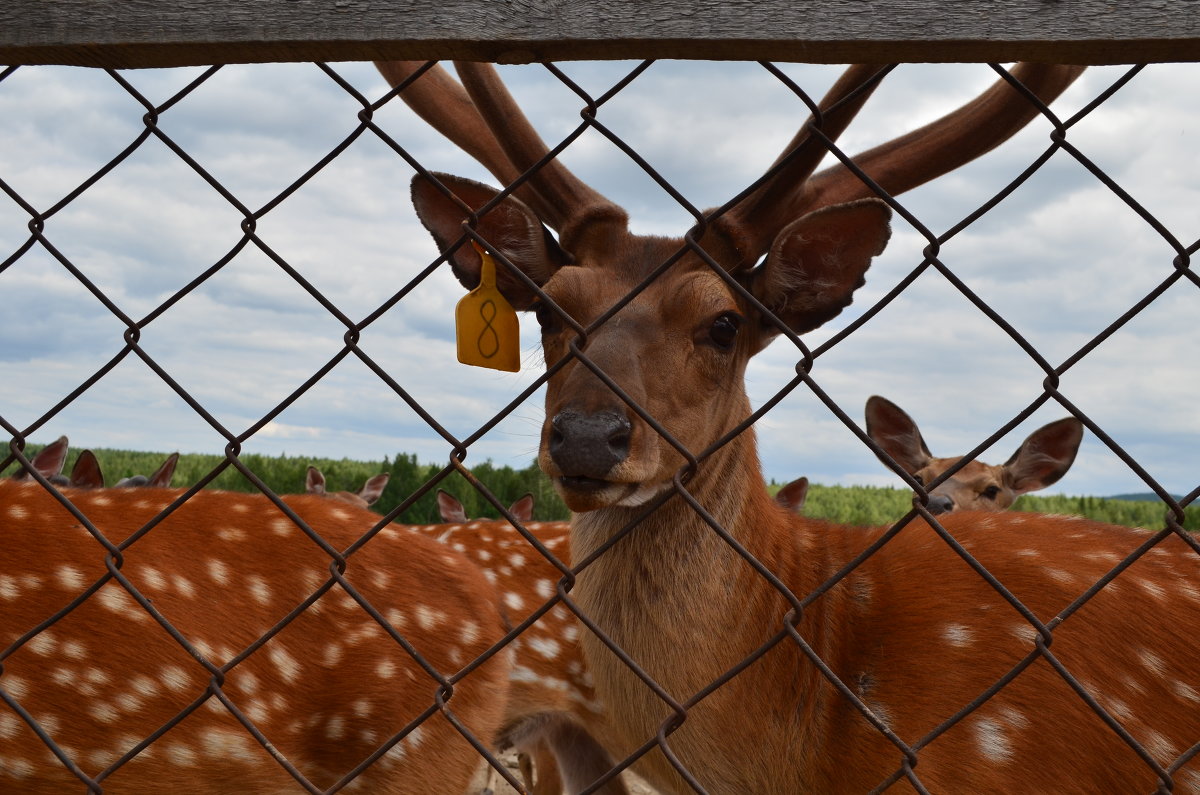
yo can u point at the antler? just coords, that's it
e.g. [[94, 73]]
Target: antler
[[484, 120], [751, 225], [897, 165], [943, 145]]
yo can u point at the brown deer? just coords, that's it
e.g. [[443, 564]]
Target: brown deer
[[553, 713], [1074, 671], [47, 462], [86, 472], [1041, 460], [237, 698], [371, 491]]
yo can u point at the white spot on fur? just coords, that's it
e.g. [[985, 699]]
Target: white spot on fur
[[174, 677], [181, 755], [70, 577], [43, 643], [1162, 749], [1153, 588], [218, 572], [260, 591], [386, 669], [429, 618], [115, 599], [1186, 691], [549, 648], [1060, 575], [289, 669], [1012, 717], [468, 632], [15, 685], [513, 601], [957, 635], [9, 589], [992, 741], [153, 578], [1152, 662]]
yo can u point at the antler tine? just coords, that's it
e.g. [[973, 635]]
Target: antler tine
[[566, 203], [439, 99], [751, 225], [943, 145]]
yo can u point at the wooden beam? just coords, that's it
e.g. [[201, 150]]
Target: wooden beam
[[149, 33]]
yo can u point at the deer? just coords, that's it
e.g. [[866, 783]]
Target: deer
[[1041, 460], [553, 714], [368, 494], [86, 472], [158, 479], [793, 495], [154, 640], [48, 462], [737, 646]]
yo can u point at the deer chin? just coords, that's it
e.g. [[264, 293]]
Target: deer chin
[[590, 494]]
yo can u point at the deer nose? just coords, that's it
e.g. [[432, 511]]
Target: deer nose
[[940, 503], [588, 445]]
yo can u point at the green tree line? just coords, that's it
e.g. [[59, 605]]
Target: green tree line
[[859, 505]]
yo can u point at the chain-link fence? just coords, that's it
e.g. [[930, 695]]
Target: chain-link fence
[[1013, 706]]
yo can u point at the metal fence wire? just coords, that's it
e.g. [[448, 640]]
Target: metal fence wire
[[441, 684]]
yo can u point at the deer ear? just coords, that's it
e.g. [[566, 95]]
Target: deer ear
[[86, 473], [817, 262], [896, 434], [450, 508], [522, 509], [372, 490], [1045, 456], [314, 481], [510, 228]]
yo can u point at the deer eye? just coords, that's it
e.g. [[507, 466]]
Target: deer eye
[[724, 330], [991, 492], [547, 318], [920, 480]]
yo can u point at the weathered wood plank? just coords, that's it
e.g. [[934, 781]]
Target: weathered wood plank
[[144, 33]]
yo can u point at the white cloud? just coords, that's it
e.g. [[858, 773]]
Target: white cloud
[[1061, 258]]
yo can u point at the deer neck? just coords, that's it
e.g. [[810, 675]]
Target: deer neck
[[673, 564]]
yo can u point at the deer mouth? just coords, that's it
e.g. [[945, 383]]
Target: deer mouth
[[583, 494], [584, 484]]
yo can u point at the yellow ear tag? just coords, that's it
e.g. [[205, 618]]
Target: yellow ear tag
[[489, 334]]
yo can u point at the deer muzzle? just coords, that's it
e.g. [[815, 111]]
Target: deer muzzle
[[585, 446]]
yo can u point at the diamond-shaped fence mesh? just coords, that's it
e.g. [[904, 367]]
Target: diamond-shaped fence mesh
[[153, 639]]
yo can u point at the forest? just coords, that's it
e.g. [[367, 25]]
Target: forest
[[859, 505]]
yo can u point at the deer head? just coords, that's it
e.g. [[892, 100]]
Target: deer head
[[1041, 460], [610, 332]]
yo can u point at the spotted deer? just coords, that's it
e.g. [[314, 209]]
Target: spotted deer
[[553, 715], [158, 479], [222, 648], [1041, 460], [371, 491], [48, 462], [878, 656]]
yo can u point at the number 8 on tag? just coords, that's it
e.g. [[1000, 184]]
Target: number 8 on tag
[[486, 325]]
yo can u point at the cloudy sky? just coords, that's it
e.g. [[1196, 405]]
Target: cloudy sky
[[1061, 259]]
